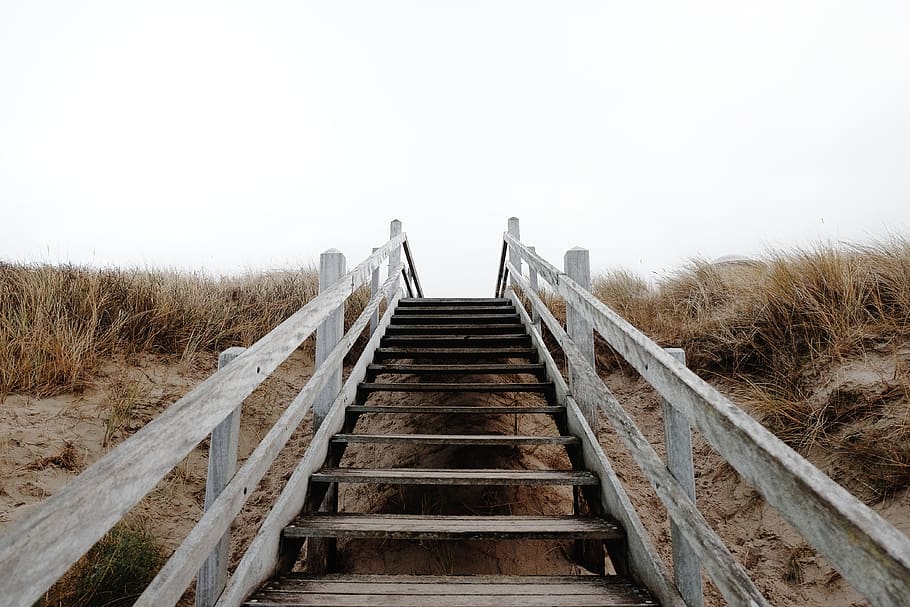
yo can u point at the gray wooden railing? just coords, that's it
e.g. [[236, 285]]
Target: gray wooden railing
[[868, 552], [39, 548]]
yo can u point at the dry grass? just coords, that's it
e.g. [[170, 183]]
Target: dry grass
[[777, 328], [58, 323]]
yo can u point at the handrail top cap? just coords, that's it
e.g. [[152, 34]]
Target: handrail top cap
[[578, 249], [332, 251]]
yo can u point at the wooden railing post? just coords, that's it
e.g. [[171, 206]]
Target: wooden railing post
[[329, 333], [532, 280], [514, 255], [212, 575], [678, 441], [395, 255], [374, 286], [578, 267]]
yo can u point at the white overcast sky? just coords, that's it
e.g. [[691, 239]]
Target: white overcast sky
[[228, 136]]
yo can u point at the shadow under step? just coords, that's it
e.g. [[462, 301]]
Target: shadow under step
[[386, 353], [537, 369], [347, 590], [457, 330], [449, 527], [511, 440], [456, 341], [454, 319], [543, 386], [448, 476], [458, 301], [446, 409], [454, 310]]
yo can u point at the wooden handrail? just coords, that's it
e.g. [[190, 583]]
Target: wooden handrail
[[261, 558], [869, 552], [414, 277], [645, 564], [32, 555], [588, 389], [178, 572]]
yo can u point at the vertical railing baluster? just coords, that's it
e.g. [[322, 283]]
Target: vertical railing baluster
[[678, 441], [578, 267], [212, 575], [329, 333]]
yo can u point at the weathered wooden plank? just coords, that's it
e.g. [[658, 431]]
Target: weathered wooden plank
[[440, 527], [436, 476], [172, 580], [728, 575], [395, 265], [398, 352], [451, 329], [459, 387], [32, 556], [470, 311], [455, 439], [645, 564], [453, 301], [486, 579], [514, 230], [267, 599], [498, 590], [221, 466], [877, 562], [457, 341], [329, 333], [578, 265], [446, 409], [261, 558], [534, 368], [374, 287], [455, 319], [678, 443]]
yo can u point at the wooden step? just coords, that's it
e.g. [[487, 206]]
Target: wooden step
[[511, 440], [458, 301], [456, 341], [470, 329], [436, 476], [489, 369], [453, 310], [452, 387], [454, 353], [347, 590], [446, 409], [449, 527], [455, 319]]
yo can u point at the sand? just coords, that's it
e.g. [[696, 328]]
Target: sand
[[46, 442]]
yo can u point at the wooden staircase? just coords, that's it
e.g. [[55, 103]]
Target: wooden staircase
[[430, 343]]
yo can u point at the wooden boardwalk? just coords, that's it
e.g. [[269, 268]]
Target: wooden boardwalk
[[464, 359], [461, 332]]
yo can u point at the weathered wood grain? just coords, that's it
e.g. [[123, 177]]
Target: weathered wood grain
[[449, 476], [451, 527], [176, 574], [644, 561], [457, 387], [329, 333], [221, 466], [678, 443], [454, 439], [577, 263], [261, 558], [447, 409], [868, 551], [32, 556]]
